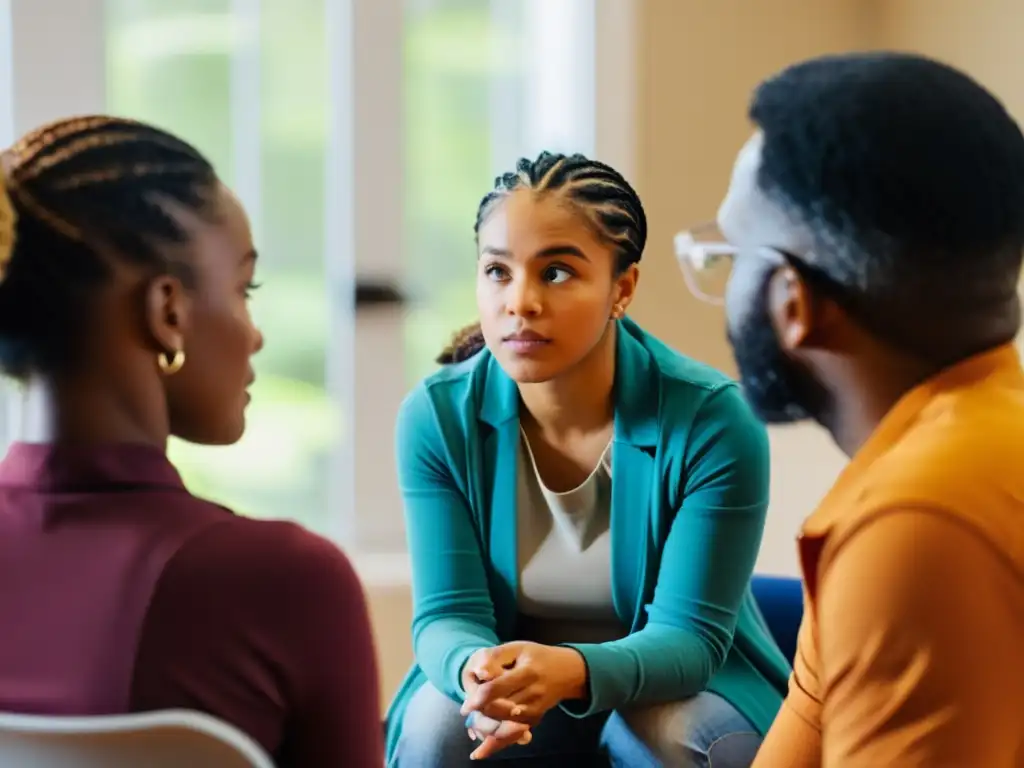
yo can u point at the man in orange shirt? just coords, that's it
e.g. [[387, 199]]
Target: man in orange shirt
[[874, 225]]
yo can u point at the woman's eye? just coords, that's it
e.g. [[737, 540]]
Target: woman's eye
[[557, 274], [495, 272], [250, 287]]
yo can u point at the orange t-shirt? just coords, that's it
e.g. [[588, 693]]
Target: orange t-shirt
[[911, 651]]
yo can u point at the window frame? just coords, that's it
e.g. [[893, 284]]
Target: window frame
[[67, 75]]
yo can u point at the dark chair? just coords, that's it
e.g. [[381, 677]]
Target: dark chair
[[781, 601]]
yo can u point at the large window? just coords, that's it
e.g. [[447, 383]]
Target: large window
[[245, 81], [360, 135], [485, 83]]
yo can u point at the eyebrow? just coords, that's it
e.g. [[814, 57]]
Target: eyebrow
[[550, 252]]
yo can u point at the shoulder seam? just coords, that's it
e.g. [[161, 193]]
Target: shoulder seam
[[452, 372], [671, 365], [706, 386], [710, 392], [847, 533]]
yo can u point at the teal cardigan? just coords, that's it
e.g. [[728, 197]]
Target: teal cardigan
[[689, 495]]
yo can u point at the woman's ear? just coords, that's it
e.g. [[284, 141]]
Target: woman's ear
[[167, 313], [625, 287]]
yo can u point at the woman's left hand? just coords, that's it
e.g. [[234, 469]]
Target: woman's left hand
[[524, 680], [495, 735]]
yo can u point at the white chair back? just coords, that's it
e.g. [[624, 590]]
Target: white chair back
[[165, 739]]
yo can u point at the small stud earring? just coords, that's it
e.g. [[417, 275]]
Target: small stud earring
[[170, 366], [617, 312]]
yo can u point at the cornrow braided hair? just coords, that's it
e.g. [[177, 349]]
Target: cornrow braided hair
[[597, 191], [78, 194]]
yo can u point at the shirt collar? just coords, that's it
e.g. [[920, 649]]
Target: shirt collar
[[637, 390], [997, 367], [46, 466]]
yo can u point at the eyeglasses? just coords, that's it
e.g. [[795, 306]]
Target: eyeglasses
[[705, 258]]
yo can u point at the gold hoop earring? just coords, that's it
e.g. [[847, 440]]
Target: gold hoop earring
[[170, 366]]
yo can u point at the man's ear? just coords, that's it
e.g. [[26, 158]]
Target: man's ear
[[801, 319], [167, 311], [791, 308]]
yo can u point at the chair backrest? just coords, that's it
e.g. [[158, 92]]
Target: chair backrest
[[165, 739], [781, 600]]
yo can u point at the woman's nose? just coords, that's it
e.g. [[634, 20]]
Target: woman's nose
[[524, 299]]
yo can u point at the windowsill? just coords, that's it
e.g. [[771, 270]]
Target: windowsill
[[382, 569]]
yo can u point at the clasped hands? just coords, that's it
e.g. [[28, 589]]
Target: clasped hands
[[510, 687]]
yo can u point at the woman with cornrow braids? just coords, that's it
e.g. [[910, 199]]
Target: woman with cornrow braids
[[584, 508], [126, 273]]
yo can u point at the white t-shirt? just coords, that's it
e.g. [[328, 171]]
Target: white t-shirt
[[564, 550]]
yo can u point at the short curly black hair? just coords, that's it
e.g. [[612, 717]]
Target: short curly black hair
[[908, 173]]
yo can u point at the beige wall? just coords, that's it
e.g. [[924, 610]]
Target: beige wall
[[696, 64], [982, 37]]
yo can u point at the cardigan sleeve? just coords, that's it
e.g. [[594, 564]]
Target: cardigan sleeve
[[453, 615], [706, 565]]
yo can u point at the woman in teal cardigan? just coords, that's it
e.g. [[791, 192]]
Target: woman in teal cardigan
[[584, 508]]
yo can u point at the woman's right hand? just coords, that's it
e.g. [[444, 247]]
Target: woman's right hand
[[486, 665]]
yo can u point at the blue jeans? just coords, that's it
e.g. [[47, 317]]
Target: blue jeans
[[685, 734]]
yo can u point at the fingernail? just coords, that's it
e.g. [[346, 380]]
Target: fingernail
[[526, 738], [517, 711]]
